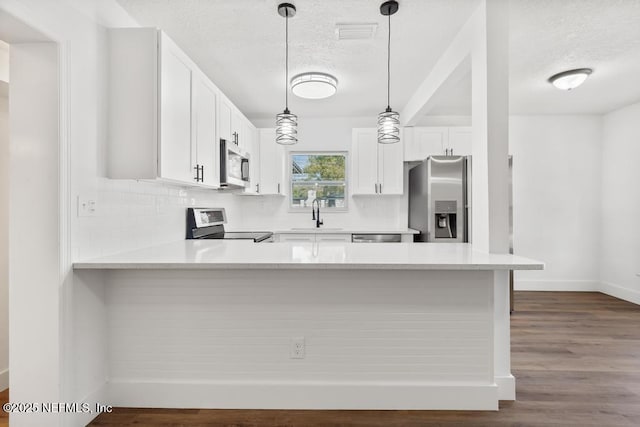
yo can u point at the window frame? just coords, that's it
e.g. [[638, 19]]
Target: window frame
[[298, 209]]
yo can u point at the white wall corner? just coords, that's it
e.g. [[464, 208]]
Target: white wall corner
[[620, 292], [4, 379]]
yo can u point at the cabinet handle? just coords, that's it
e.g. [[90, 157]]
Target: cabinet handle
[[197, 168], [376, 187], [257, 188], [380, 186], [278, 188], [202, 173]]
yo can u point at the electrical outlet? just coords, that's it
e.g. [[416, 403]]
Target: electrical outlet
[[297, 348], [87, 205]]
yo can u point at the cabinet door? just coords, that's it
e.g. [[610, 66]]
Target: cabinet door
[[334, 237], [310, 238], [253, 147], [237, 128], [390, 168], [460, 141], [204, 125], [272, 161], [224, 119], [422, 142], [175, 116], [364, 161]]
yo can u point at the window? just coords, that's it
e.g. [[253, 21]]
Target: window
[[319, 176]]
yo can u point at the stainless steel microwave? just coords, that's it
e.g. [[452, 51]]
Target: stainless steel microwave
[[234, 166]]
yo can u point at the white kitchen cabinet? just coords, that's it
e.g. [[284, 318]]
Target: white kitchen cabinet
[[252, 146], [333, 237], [232, 124], [272, 163], [422, 142], [175, 114], [238, 130], [459, 142], [162, 111], [375, 168], [314, 237], [205, 156], [225, 109], [309, 238]]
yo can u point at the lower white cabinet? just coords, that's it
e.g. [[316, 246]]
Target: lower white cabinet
[[337, 237], [283, 237], [314, 237]]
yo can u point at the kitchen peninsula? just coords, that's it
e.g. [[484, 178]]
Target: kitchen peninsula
[[230, 324]]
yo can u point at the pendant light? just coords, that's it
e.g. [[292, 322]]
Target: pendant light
[[286, 123], [389, 120]]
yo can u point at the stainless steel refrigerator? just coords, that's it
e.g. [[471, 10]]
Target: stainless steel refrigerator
[[440, 201]]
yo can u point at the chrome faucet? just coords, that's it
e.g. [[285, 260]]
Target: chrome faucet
[[315, 212]]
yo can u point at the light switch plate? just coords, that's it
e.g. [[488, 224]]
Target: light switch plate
[[87, 205]]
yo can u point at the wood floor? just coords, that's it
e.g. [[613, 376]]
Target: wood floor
[[4, 417], [576, 357]]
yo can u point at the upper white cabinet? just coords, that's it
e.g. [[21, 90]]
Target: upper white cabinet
[[166, 117], [224, 119], [422, 142], [459, 143], [233, 125], [162, 111], [375, 168], [206, 155], [252, 145], [272, 163], [175, 114]]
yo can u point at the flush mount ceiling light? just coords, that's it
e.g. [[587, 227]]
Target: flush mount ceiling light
[[388, 120], [314, 85], [286, 123], [570, 79]]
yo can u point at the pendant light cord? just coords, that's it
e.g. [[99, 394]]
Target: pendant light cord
[[286, 73], [389, 66]]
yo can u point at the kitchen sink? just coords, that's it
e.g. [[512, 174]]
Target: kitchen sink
[[315, 229]]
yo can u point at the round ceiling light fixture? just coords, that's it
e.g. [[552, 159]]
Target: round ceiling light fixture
[[570, 79], [314, 85]]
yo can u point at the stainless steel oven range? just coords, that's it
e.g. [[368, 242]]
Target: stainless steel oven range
[[208, 223]]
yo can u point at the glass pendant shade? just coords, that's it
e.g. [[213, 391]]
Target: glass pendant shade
[[388, 127], [286, 128]]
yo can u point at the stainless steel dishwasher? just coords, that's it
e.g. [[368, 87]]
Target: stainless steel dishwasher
[[376, 238]]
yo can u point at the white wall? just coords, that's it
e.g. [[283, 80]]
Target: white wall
[[4, 241], [323, 134], [620, 225], [556, 187]]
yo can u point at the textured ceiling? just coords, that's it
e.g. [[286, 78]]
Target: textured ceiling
[[240, 45], [549, 36]]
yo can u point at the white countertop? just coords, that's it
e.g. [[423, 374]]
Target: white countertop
[[346, 230], [233, 254]]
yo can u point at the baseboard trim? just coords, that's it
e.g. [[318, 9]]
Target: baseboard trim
[[304, 395], [506, 387], [617, 291], [98, 396], [557, 285], [4, 379]]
